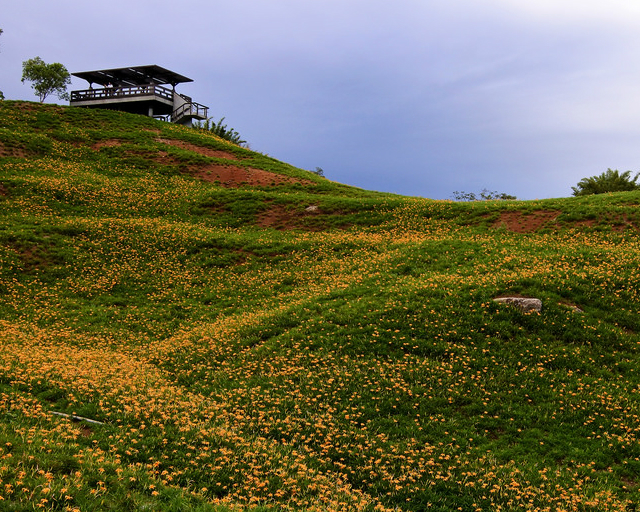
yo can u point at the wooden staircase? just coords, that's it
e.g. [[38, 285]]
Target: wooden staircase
[[187, 110]]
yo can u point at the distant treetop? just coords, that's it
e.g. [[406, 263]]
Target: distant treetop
[[484, 195]]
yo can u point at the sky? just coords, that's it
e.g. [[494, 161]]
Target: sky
[[416, 97]]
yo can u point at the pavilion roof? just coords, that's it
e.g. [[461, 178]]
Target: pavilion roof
[[132, 76]]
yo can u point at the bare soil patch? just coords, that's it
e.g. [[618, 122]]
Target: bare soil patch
[[529, 222], [213, 153], [226, 175], [587, 223], [280, 218], [12, 151], [235, 176], [526, 222], [108, 143], [32, 257], [623, 224]]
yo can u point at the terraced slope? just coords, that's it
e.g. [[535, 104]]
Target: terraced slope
[[245, 334]]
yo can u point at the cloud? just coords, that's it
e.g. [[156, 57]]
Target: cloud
[[575, 12]]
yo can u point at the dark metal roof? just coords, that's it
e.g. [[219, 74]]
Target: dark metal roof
[[138, 75]]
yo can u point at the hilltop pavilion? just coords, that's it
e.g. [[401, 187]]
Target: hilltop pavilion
[[139, 90]]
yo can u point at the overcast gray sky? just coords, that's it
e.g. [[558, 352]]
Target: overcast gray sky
[[416, 97]]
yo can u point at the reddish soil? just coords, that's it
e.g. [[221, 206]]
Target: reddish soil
[[236, 176], [584, 223], [109, 143], [229, 175], [278, 217], [85, 431], [32, 258], [525, 222], [12, 152], [213, 153], [624, 224], [529, 222]]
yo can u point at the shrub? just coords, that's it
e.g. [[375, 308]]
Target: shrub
[[220, 130], [485, 195], [609, 181]]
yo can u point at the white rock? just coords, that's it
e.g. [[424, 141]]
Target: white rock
[[523, 303]]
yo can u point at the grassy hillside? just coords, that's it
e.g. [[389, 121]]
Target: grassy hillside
[[245, 334]]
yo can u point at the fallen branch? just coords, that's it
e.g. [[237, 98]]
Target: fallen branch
[[77, 418]]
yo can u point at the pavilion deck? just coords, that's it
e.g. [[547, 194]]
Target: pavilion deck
[[118, 94], [161, 99]]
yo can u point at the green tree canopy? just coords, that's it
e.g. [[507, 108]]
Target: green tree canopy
[[609, 181], [46, 78]]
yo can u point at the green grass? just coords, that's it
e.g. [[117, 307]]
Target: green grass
[[241, 351]]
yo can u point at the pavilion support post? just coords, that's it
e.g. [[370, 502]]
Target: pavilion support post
[[150, 111]]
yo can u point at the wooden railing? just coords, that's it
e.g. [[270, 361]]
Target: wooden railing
[[188, 110], [191, 109], [122, 92]]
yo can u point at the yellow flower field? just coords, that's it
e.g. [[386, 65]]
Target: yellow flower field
[[161, 350]]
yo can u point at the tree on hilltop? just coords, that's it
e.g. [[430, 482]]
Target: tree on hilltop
[[608, 181], [46, 78]]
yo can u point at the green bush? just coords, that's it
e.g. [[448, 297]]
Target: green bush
[[609, 181], [221, 131], [485, 195]]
